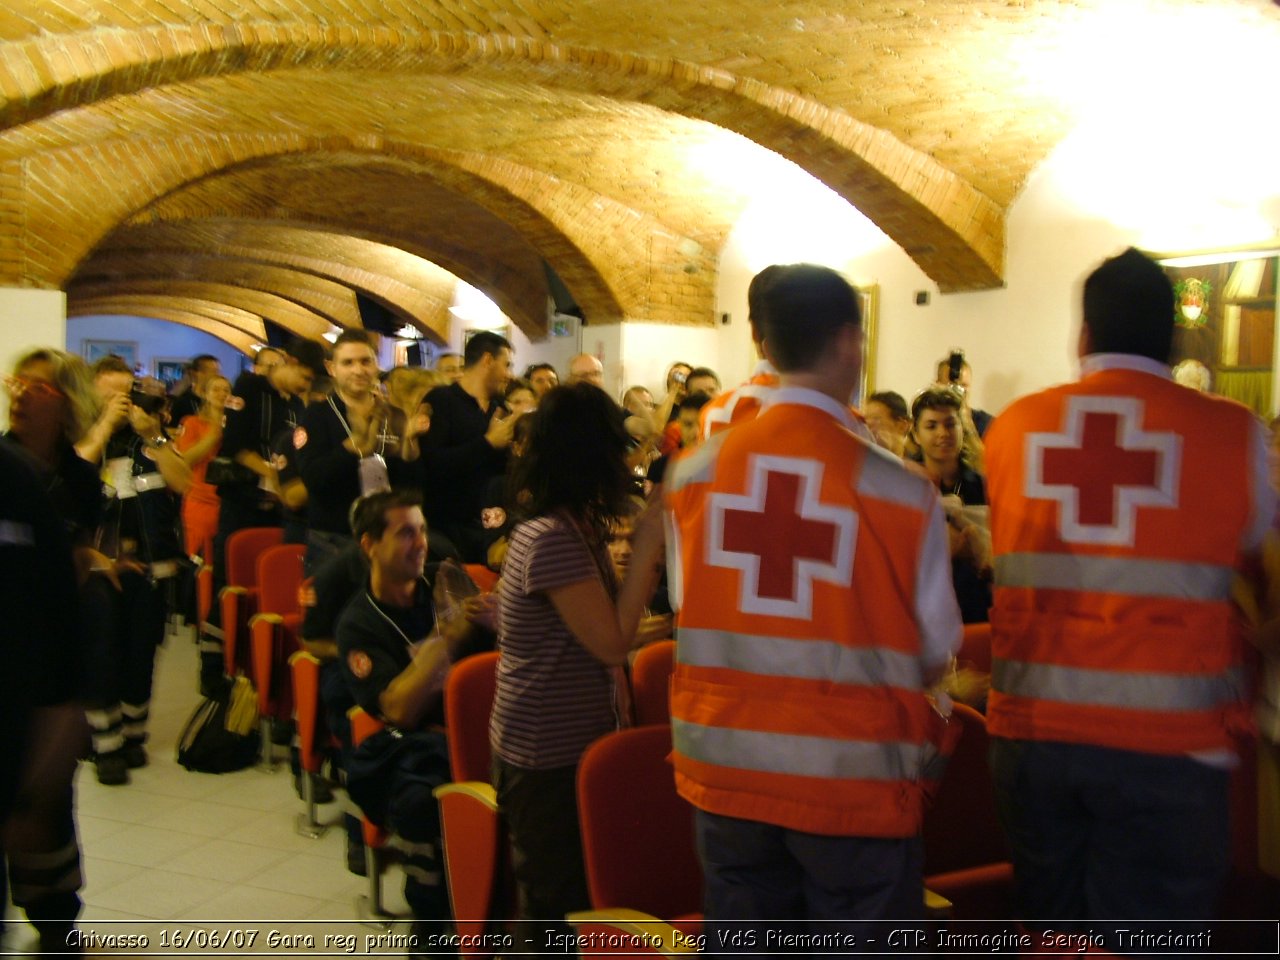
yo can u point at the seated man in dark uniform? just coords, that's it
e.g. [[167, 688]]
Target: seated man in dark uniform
[[395, 662]]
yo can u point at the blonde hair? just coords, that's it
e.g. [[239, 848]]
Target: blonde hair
[[404, 382], [71, 376]]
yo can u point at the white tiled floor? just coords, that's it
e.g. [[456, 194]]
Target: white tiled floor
[[179, 845]]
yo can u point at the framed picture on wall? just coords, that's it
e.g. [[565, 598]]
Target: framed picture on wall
[[95, 350], [168, 370], [467, 334], [869, 302], [1227, 322]]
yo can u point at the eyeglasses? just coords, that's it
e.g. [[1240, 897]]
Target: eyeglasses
[[17, 386]]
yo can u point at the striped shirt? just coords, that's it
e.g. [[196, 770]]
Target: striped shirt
[[553, 697]]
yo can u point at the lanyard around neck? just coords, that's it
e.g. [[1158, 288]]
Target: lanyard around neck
[[382, 437]]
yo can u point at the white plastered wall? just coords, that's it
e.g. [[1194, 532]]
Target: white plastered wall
[[1090, 199], [29, 318]]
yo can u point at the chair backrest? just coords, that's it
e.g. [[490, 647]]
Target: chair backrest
[[243, 548], [651, 682], [468, 701], [637, 832], [305, 670], [961, 828], [481, 576], [279, 577], [975, 648]]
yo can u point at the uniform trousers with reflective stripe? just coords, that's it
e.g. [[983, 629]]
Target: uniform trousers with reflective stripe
[[1103, 834], [123, 628], [756, 872], [37, 829]]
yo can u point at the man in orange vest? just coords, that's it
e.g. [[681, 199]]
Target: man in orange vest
[[813, 583], [1120, 506]]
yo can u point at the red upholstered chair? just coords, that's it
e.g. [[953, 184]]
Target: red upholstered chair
[[305, 671], [376, 855], [632, 933], [475, 841], [273, 633], [637, 832], [238, 599], [975, 648], [468, 701], [475, 861], [651, 682], [481, 576], [966, 859]]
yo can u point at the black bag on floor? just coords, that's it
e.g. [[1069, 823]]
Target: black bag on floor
[[222, 735]]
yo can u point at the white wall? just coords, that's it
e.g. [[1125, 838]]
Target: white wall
[[156, 339], [1104, 188], [28, 318]]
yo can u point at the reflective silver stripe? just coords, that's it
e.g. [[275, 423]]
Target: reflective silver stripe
[[1097, 574], [697, 466], [801, 659], [796, 755], [883, 477], [1113, 688], [148, 481]]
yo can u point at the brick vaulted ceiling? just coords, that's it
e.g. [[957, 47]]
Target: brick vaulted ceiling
[[218, 162]]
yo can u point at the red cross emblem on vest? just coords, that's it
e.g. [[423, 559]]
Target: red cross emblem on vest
[[1102, 468], [781, 537]]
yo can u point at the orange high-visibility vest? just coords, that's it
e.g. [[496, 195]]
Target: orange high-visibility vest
[[797, 697], [740, 403], [1118, 506]]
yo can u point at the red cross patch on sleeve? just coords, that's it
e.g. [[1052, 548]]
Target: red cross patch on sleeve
[[359, 664]]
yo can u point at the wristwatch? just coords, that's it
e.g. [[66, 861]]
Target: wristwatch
[[158, 441]]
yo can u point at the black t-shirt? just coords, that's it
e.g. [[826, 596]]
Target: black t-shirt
[[75, 489], [458, 463], [332, 588], [330, 471], [185, 404], [148, 524], [257, 414], [374, 642], [39, 631]]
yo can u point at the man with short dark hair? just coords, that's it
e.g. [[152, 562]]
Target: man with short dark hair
[[395, 665], [543, 376], [467, 444], [199, 372], [128, 597], [395, 657], [813, 586], [1120, 506], [265, 359], [344, 447], [743, 401], [963, 383], [258, 412], [702, 380], [450, 366]]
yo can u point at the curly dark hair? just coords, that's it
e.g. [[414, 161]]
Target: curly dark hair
[[575, 458]]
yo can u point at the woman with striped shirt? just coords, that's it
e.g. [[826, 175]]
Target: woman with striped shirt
[[565, 625]]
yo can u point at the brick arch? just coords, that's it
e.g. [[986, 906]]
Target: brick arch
[[238, 328], [953, 231], [332, 301], [604, 256], [63, 198], [419, 291], [260, 303]]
